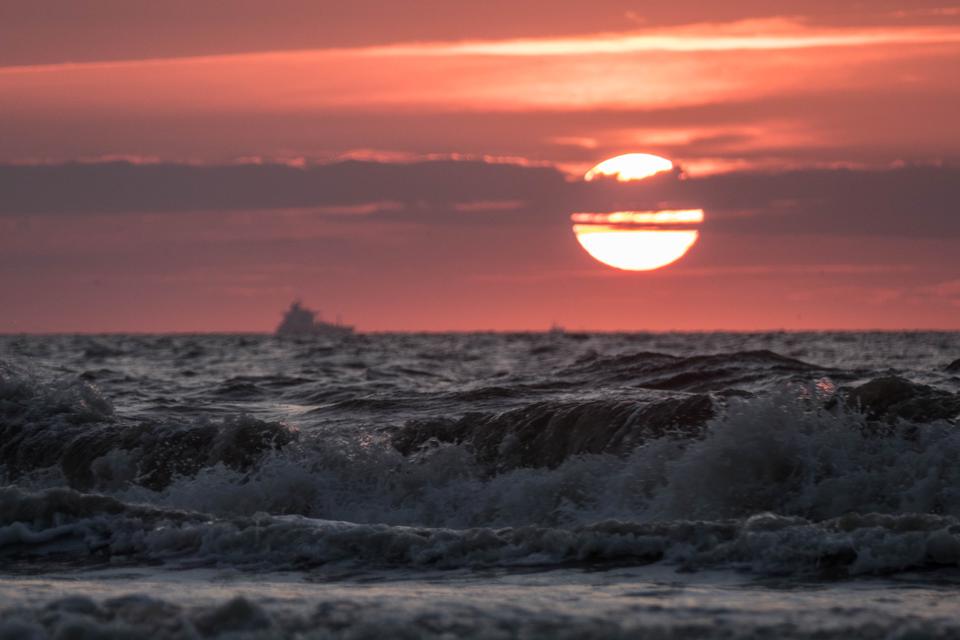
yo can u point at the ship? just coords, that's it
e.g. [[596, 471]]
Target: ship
[[300, 321]]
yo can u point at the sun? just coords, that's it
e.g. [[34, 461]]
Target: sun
[[634, 250], [636, 240], [630, 166]]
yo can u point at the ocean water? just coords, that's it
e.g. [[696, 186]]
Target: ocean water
[[773, 485]]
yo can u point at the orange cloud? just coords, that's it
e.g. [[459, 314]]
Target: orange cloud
[[279, 104], [747, 35]]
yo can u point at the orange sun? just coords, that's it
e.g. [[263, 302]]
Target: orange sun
[[636, 240]]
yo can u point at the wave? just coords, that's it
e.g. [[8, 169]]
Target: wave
[[383, 616], [697, 374], [67, 424], [892, 398], [548, 433], [888, 446], [781, 453], [56, 523], [781, 484]]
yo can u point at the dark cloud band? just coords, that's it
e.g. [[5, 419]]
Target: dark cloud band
[[911, 201]]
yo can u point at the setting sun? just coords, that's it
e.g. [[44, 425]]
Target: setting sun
[[634, 250], [636, 240]]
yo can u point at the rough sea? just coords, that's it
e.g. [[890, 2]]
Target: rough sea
[[562, 485]]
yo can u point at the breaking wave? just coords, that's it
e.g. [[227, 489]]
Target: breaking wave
[[747, 460]]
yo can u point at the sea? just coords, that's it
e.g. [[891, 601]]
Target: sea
[[487, 485]]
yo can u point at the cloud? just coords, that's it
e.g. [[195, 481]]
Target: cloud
[[903, 201], [909, 201], [748, 35], [120, 187], [54, 31]]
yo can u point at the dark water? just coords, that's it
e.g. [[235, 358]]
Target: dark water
[[488, 485]]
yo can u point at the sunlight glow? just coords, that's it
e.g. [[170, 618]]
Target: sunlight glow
[[630, 166], [634, 250], [765, 34], [683, 216], [745, 35]]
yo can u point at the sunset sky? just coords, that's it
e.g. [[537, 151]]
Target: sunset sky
[[192, 165]]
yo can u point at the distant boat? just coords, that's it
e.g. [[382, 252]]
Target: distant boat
[[300, 321]]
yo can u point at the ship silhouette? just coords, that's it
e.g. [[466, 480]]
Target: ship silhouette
[[301, 321]]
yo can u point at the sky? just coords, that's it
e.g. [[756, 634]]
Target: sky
[[413, 165]]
